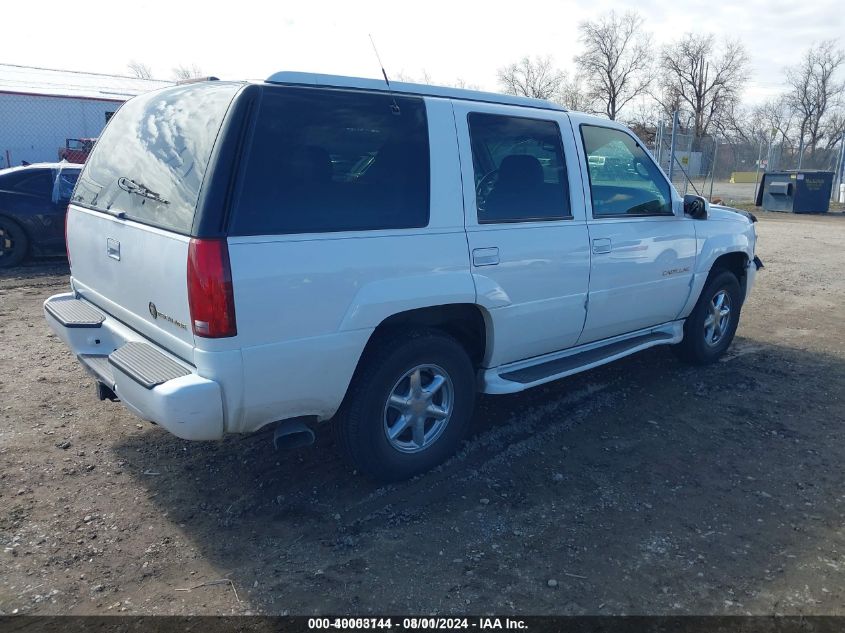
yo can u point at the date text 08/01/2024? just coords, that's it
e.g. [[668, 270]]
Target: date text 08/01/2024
[[487, 623]]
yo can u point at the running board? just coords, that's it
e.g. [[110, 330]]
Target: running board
[[536, 371]]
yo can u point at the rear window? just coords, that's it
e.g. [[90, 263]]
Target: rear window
[[152, 157], [323, 161]]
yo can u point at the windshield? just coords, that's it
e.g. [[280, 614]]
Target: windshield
[[162, 140]]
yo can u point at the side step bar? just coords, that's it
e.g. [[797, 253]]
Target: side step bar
[[521, 375]]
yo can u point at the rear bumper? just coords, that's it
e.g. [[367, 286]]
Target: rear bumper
[[152, 383]]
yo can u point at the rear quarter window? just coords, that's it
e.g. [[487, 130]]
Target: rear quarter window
[[330, 160], [161, 141], [37, 182]]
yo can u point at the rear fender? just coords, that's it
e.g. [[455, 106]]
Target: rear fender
[[381, 299]]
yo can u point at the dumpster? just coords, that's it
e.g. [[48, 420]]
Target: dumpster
[[806, 191]]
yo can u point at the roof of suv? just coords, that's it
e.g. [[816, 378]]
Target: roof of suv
[[338, 81], [60, 165]]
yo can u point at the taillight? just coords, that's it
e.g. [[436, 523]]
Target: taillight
[[67, 246], [210, 295]]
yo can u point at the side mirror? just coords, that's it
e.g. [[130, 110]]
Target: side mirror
[[695, 207]]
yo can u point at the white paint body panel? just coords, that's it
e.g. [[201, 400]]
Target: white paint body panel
[[536, 294], [151, 267], [644, 279], [306, 305]]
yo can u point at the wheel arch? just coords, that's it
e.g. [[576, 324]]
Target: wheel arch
[[23, 228], [734, 260], [468, 323]]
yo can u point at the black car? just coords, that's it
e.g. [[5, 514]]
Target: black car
[[33, 203]]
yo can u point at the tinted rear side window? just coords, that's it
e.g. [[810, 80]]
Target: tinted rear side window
[[37, 182], [323, 161], [160, 141]]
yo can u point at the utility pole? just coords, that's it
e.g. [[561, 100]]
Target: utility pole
[[713, 169], [672, 144], [840, 170], [659, 142], [801, 153], [770, 153], [757, 174]]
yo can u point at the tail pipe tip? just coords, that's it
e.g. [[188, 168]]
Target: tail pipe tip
[[292, 433]]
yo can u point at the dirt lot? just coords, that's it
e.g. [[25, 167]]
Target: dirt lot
[[642, 487]]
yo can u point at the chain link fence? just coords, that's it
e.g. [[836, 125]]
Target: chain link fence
[[36, 128], [729, 169]]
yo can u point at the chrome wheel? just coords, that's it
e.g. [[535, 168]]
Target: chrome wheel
[[718, 320], [419, 408], [7, 244]]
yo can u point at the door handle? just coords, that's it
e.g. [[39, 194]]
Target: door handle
[[601, 246], [485, 256], [113, 248]]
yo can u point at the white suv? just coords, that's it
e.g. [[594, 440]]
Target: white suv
[[316, 247]]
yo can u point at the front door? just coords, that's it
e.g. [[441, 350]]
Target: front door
[[526, 228], [643, 248]]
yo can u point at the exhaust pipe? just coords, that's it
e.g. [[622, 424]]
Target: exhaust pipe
[[293, 433]]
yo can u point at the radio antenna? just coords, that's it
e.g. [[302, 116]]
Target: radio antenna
[[395, 106]]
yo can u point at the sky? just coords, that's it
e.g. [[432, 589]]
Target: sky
[[447, 40]]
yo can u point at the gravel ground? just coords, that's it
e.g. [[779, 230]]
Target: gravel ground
[[643, 487]]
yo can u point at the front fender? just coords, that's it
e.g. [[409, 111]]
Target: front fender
[[712, 247], [716, 238]]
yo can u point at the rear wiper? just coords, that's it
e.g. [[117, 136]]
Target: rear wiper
[[131, 186]]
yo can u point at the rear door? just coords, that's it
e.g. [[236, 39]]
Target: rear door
[[25, 196], [133, 210], [525, 226]]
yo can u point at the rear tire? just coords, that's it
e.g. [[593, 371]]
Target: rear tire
[[711, 326], [409, 405], [13, 243]]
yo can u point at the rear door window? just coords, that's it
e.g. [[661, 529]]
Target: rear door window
[[158, 144], [520, 173], [330, 160], [38, 182]]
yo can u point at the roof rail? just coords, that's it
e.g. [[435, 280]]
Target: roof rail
[[361, 83], [196, 80]]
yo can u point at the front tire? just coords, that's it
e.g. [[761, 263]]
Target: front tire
[[13, 243], [710, 328], [409, 405]]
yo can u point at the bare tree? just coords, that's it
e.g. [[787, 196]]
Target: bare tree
[[139, 70], [770, 120], [427, 79], [460, 82], [642, 118], [814, 90], [834, 129], [181, 72], [537, 78], [616, 61], [574, 96], [706, 79]]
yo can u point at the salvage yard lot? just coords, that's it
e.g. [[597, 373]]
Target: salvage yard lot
[[645, 486]]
